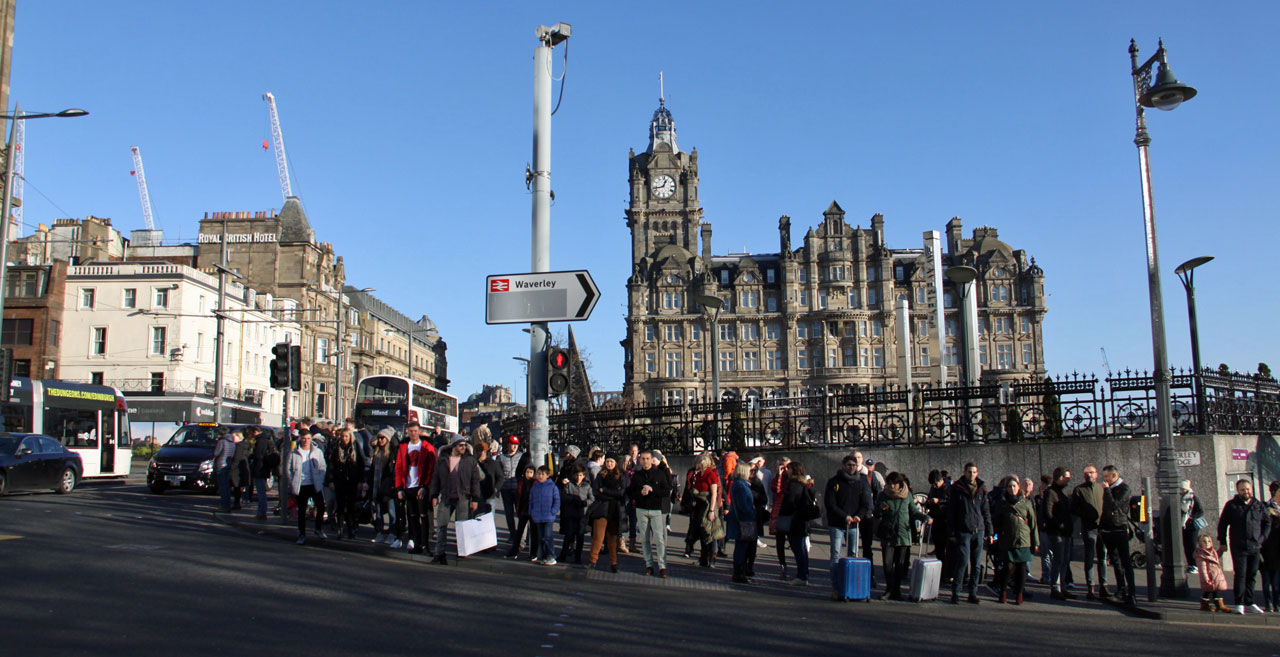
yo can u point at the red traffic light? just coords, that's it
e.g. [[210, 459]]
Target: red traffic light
[[559, 359]]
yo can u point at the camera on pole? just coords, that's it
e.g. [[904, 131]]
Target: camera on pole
[[557, 371]]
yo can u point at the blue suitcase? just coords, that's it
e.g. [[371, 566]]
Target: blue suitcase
[[851, 580]]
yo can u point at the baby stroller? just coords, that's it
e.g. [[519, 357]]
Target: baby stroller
[[1138, 545]]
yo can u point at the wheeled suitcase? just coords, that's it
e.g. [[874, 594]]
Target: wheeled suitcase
[[851, 579], [925, 576]]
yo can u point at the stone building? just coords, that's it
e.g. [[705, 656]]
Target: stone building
[[814, 318], [385, 341], [33, 302]]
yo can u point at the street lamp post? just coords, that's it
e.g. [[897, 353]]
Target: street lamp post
[[1166, 94], [963, 276], [339, 364], [17, 115], [1186, 273], [714, 304]]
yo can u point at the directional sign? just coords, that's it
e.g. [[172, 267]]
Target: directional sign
[[556, 296]]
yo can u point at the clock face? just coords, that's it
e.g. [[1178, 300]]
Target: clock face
[[664, 187]]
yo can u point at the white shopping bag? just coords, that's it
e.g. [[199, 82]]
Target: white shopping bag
[[476, 534]]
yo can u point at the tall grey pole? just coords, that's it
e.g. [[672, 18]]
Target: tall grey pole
[[409, 334], [5, 207], [540, 256], [339, 405], [903, 320], [1173, 577], [933, 242], [218, 322]]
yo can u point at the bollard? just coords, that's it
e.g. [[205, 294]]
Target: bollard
[[1152, 586]]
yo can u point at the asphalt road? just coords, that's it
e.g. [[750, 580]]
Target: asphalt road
[[113, 570]]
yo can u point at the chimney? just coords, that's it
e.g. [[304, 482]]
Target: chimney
[[706, 243]]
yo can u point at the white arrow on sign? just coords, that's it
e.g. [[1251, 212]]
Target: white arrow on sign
[[556, 296]]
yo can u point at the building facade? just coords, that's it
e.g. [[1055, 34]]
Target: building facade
[[816, 318], [385, 341], [33, 300], [148, 329]]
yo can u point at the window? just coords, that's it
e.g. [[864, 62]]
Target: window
[[802, 331], [877, 328], [835, 273], [695, 333], [899, 272], [95, 378], [98, 344], [1028, 356], [769, 276], [158, 335], [16, 332], [1004, 356], [675, 367], [750, 299], [863, 359], [648, 333], [724, 276], [748, 277], [650, 363], [162, 297], [804, 297], [831, 357], [697, 361], [130, 299], [817, 329], [802, 359], [157, 382], [822, 299], [750, 360], [750, 331], [982, 354], [922, 296], [848, 357], [672, 333], [862, 328], [922, 327], [87, 296], [22, 367], [924, 356], [1004, 325], [72, 427], [23, 284], [804, 274], [773, 360], [953, 326], [671, 300], [951, 355], [877, 357], [948, 299], [999, 292], [982, 326], [772, 330], [199, 347], [322, 350], [873, 297], [853, 299], [726, 332], [322, 396], [1026, 324], [726, 361], [772, 304], [674, 397], [873, 273]]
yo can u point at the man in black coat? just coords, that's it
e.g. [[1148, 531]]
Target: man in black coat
[[969, 520], [1245, 519], [848, 502], [1115, 532]]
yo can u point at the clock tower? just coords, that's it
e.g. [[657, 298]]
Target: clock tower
[[664, 195]]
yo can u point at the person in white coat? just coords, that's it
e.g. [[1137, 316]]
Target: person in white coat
[[306, 481]]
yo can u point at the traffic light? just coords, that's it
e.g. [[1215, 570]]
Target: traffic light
[[6, 373], [557, 371], [295, 368], [280, 366]]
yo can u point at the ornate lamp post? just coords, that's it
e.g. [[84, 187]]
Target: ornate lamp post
[[1186, 273], [1166, 94], [714, 304]]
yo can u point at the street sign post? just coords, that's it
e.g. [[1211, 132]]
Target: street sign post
[[556, 296]]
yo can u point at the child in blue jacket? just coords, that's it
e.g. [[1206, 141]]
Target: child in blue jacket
[[544, 506]]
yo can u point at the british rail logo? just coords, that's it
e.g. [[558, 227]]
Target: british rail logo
[[500, 285]]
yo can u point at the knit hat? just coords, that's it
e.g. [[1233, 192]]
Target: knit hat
[[573, 451], [387, 433], [657, 456]]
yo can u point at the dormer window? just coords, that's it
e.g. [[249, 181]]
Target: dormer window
[[724, 276]]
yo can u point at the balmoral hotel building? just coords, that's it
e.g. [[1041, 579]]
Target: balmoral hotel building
[[812, 318]]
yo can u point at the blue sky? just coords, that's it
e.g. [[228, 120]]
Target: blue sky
[[408, 130]]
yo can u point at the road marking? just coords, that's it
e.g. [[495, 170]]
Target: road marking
[[134, 547], [8, 537], [553, 634]]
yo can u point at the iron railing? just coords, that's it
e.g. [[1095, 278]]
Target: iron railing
[[1074, 406]]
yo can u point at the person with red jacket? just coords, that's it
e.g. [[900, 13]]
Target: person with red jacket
[[415, 465]]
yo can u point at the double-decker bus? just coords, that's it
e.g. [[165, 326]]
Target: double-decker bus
[[386, 400], [90, 420]]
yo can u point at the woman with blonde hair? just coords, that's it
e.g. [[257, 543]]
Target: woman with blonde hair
[[704, 515]]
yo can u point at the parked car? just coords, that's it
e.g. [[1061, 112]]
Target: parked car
[[186, 460], [32, 461]]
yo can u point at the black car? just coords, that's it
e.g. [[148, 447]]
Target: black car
[[186, 460], [32, 461]]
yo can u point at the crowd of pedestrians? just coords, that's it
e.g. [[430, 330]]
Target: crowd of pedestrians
[[406, 486]]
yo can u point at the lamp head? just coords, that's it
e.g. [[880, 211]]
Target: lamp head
[[1167, 93], [962, 274], [709, 301], [1191, 264]]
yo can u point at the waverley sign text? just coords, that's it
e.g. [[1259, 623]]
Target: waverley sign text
[[238, 238]]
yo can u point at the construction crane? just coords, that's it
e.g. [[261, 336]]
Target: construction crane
[[143, 196], [277, 139], [15, 212], [1105, 361]]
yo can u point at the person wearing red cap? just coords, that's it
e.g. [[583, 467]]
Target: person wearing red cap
[[513, 461]]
